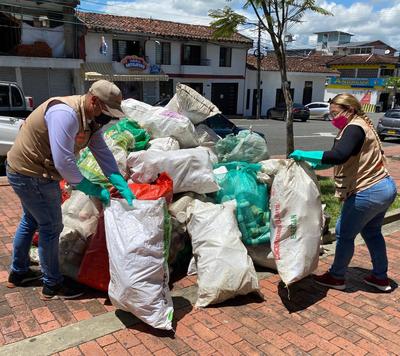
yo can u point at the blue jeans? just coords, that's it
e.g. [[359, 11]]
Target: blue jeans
[[41, 205], [363, 213]]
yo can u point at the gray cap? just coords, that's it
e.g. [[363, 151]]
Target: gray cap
[[110, 95]]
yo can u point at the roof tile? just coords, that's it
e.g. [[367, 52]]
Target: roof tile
[[155, 27], [311, 64]]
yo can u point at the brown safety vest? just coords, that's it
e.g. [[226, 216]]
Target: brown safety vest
[[31, 153], [363, 170]]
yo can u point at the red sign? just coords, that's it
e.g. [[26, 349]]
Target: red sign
[[134, 62]]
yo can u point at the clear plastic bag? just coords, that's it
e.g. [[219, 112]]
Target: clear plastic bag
[[246, 146]]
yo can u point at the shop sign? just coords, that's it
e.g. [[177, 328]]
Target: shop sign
[[358, 82], [134, 62]]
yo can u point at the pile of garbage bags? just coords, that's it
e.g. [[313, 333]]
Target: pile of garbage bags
[[219, 202]]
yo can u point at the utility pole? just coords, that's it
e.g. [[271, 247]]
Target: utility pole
[[259, 58]]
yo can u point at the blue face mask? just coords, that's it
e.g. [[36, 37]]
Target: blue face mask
[[103, 119]]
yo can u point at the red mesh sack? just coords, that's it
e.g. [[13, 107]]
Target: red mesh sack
[[94, 270]]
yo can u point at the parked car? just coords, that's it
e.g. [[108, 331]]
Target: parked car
[[319, 110], [222, 126], [300, 112], [13, 102], [9, 127], [389, 124]]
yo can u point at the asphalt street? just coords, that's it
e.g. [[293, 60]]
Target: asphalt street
[[311, 135]]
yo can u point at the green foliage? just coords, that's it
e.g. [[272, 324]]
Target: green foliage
[[226, 22], [273, 15], [393, 82]]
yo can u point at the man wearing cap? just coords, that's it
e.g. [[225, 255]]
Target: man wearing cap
[[45, 152]]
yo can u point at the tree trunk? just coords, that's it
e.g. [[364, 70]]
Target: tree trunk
[[281, 57]]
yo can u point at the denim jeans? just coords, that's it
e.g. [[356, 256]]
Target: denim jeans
[[41, 205], [363, 213]]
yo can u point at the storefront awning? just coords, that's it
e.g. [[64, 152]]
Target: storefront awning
[[96, 71]]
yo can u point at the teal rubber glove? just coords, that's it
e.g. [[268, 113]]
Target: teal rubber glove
[[309, 156], [120, 183], [313, 158], [94, 190]]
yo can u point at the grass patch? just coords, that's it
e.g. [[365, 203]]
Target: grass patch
[[333, 205]]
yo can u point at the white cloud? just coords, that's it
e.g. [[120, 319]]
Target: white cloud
[[360, 18]]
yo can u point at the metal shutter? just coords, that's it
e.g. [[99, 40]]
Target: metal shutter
[[35, 83], [7, 74], [60, 82]]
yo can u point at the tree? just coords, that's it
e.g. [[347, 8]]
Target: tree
[[393, 83], [274, 17]]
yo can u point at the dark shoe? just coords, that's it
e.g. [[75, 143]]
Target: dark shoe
[[328, 280], [61, 291], [17, 279], [381, 284]]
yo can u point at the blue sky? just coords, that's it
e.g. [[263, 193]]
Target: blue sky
[[367, 20]]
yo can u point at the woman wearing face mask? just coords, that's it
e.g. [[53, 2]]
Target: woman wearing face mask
[[363, 184]]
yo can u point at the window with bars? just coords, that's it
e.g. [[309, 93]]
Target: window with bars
[[367, 73], [163, 53], [347, 73], [191, 55], [225, 56], [123, 48]]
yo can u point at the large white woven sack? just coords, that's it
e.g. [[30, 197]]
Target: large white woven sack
[[135, 109], [190, 169], [296, 221], [165, 123], [138, 260], [191, 104], [224, 269]]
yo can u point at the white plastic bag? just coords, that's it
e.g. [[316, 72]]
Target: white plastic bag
[[224, 269], [80, 217], [160, 122], [135, 109], [296, 221], [190, 103], [164, 144], [138, 260], [190, 169]]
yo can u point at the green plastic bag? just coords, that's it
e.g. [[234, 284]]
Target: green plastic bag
[[253, 215], [142, 137], [246, 146], [121, 138]]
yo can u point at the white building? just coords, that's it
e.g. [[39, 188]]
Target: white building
[[327, 41], [39, 47], [307, 77], [147, 58]]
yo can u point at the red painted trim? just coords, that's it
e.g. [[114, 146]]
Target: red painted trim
[[205, 76]]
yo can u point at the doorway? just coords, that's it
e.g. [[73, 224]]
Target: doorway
[[307, 92], [224, 96]]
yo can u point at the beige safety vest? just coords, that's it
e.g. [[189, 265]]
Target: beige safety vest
[[363, 170], [31, 154]]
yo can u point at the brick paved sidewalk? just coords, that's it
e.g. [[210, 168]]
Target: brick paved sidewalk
[[314, 320]]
